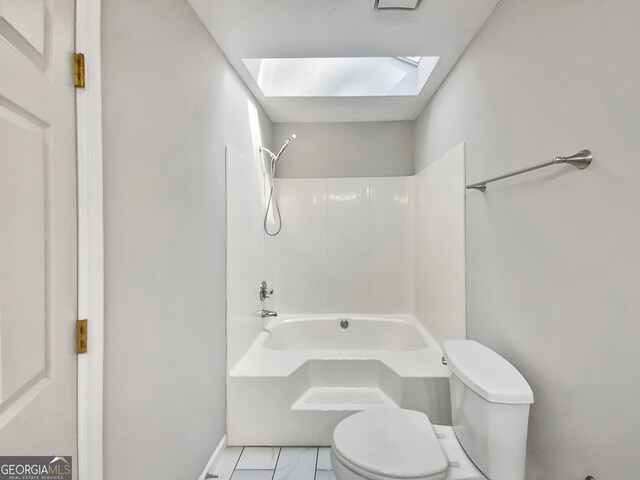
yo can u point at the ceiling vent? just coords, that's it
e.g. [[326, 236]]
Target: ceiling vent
[[396, 4]]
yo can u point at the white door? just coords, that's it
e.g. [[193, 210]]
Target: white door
[[38, 237]]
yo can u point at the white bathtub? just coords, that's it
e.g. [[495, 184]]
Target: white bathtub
[[326, 334], [304, 374]]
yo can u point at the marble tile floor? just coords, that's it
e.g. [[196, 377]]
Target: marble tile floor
[[274, 463]]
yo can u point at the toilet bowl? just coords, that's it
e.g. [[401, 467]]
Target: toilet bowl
[[393, 443], [490, 408]]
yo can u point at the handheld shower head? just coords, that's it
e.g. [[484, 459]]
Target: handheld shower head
[[276, 157], [284, 147], [272, 199]]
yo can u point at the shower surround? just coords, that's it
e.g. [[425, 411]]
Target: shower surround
[[384, 253]]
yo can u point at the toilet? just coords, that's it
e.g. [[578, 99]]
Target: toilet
[[490, 403]]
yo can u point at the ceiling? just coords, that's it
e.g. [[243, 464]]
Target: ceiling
[[342, 28]]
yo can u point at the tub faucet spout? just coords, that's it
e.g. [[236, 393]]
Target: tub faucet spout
[[268, 313]]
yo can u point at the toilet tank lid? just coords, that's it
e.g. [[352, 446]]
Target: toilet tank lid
[[487, 373]]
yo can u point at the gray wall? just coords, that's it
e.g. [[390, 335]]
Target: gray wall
[[553, 260], [359, 149], [171, 103]]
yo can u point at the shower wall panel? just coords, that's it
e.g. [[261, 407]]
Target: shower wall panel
[[345, 246]]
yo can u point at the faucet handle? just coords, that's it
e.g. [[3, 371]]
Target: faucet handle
[[265, 291]]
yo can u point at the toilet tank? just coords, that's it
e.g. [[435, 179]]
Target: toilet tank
[[490, 403]]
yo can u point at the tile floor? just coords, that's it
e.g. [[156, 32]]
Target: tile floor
[[274, 463]]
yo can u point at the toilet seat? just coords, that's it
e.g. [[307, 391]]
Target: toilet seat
[[390, 443]]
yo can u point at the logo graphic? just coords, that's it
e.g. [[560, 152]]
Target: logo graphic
[[36, 468]]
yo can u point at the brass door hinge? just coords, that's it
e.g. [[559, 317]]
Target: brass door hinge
[[81, 336], [78, 70]]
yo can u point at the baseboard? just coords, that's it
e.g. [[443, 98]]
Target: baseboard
[[215, 457]]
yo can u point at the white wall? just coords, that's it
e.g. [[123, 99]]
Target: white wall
[[171, 104], [359, 149], [552, 256], [345, 246], [438, 195]]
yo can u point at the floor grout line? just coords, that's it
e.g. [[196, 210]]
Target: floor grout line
[[275, 467], [237, 462]]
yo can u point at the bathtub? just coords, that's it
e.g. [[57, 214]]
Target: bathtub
[[344, 334], [305, 373]]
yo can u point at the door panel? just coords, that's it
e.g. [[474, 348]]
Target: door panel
[[38, 252], [23, 25], [23, 316]]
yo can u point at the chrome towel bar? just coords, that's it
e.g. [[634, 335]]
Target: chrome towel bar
[[580, 160]]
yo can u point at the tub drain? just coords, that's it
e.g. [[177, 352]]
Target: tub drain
[[344, 323]]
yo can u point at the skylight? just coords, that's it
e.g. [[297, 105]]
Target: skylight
[[342, 76]]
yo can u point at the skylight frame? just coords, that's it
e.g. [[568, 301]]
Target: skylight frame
[[415, 61], [376, 6], [341, 77]]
